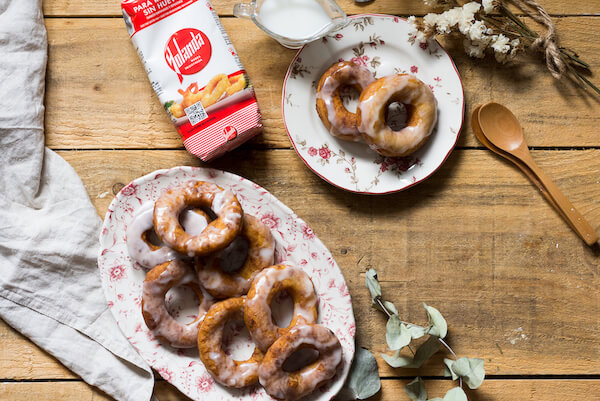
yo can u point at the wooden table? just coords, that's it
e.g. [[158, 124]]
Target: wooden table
[[476, 240]]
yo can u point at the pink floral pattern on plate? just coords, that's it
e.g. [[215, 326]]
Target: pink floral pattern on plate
[[379, 43], [296, 243]]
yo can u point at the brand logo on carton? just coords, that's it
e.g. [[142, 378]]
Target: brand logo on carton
[[229, 133], [187, 52]]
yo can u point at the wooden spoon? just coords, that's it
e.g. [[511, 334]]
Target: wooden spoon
[[502, 129], [484, 141]]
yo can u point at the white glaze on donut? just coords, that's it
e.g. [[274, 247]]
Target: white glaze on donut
[[406, 89], [138, 248], [140, 251], [291, 386], [348, 74], [154, 306], [258, 309]]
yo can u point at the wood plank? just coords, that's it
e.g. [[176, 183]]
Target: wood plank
[[98, 95], [476, 240], [392, 390], [62, 8]]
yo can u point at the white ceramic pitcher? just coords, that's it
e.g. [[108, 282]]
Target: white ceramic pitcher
[[293, 23]]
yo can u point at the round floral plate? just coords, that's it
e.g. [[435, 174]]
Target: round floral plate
[[295, 242], [380, 43]]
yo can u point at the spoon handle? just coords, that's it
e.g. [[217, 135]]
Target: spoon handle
[[534, 179], [562, 204]]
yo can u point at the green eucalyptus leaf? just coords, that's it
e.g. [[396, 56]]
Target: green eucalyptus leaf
[[396, 333], [437, 324], [471, 370], [373, 284], [416, 331], [416, 390], [477, 375], [363, 379], [448, 372], [390, 307], [461, 366], [435, 399], [455, 394], [425, 351], [397, 361]]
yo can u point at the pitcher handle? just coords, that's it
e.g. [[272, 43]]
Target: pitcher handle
[[243, 10]]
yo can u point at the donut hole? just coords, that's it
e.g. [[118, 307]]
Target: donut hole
[[398, 115], [349, 95], [300, 358], [232, 258], [193, 223], [151, 237], [211, 215], [282, 309], [182, 303], [237, 342]]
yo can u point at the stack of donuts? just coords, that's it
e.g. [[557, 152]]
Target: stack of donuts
[[370, 123], [197, 235]]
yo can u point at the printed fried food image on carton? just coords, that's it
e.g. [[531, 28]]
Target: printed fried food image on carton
[[196, 73]]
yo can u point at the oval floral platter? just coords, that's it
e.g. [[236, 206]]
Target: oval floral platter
[[380, 43], [295, 242]]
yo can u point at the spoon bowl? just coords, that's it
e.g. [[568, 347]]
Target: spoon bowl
[[501, 127]]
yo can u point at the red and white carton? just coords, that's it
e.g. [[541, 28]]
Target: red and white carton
[[196, 73]]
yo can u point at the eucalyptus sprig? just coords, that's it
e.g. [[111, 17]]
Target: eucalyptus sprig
[[399, 334]]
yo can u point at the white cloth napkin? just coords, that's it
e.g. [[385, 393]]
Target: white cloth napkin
[[49, 283]]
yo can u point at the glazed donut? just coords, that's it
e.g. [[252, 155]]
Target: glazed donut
[[218, 234], [254, 249], [290, 386], [334, 115], [421, 107], [147, 254], [222, 367], [158, 282], [265, 286]]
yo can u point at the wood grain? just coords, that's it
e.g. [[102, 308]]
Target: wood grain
[[492, 390], [476, 240], [106, 101], [66, 8], [20, 359], [517, 287]]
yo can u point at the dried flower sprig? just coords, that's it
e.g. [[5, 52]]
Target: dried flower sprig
[[491, 26], [363, 380]]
